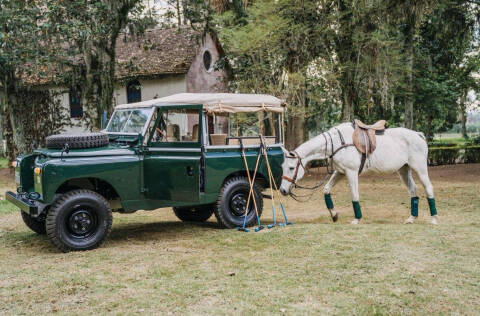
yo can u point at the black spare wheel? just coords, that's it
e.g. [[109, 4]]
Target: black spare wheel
[[194, 214], [79, 220], [232, 201], [35, 224], [83, 140]]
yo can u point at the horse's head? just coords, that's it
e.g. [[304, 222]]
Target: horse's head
[[293, 170]]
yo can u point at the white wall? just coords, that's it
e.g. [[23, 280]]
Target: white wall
[[153, 88]]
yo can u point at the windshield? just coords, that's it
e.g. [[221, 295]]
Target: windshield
[[129, 121]]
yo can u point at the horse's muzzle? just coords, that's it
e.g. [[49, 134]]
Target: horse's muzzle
[[283, 191]]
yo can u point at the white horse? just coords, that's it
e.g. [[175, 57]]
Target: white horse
[[398, 150]]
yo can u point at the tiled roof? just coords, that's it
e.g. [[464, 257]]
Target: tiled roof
[[156, 52]]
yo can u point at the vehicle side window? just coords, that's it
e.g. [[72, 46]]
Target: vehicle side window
[[177, 125]]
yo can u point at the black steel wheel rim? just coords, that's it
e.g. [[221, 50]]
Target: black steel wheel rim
[[238, 203], [82, 222]]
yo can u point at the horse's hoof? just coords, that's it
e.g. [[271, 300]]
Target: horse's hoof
[[410, 220], [335, 217], [355, 221], [433, 220]]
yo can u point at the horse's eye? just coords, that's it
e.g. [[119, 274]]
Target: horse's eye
[[291, 168]]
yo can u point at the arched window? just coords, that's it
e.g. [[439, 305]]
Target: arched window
[[207, 60], [134, 91]]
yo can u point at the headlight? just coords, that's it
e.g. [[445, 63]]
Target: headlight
[[37, 170], [14, 164]]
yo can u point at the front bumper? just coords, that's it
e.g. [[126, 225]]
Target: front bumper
[[26, 205]]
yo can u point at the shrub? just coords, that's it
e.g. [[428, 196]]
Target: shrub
[[472, 154], [443, 155], [474, 140], [441, 144], [452, 155]]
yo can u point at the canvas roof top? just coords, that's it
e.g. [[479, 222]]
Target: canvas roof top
[[217, 102]]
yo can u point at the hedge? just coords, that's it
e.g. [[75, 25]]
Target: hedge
[[453, 155]]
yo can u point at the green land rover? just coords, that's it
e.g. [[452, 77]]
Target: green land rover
[[183, 151]]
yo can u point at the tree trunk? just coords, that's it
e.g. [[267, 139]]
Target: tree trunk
[[408, 118], [294, 134], [17, 126], [179, 13], [107, 85], [463, 115], [348, 103], [347, 56], [296, 130]]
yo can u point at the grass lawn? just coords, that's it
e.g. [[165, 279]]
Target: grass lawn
[[153, 263]]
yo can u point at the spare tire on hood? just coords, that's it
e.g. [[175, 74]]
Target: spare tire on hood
[[84, 140]]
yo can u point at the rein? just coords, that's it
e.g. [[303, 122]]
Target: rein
[[329, 166]]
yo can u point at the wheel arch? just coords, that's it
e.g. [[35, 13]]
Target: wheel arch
[[259, 178], [95, 184]]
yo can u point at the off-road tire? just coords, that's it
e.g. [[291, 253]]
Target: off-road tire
[[228, 218], [83, 140], [197, 214], [63, 216], [37, 225]]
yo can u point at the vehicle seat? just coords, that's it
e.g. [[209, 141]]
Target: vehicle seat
[[218, 139], [173, 132], [195, 133]]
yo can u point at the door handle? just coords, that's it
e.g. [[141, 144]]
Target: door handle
[[189, 171]]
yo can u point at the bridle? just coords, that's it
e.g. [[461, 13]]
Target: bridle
[[330, 170], [299, 163]]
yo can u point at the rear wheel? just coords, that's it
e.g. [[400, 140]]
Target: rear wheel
[[232, 201], [37, 225], [194, 214], [79, 220]]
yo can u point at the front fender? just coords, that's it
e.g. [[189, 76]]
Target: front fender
[[121, 172]]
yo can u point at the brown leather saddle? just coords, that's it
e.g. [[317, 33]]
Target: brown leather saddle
[[364, 138]]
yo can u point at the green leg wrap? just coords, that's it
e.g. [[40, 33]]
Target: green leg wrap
[[357, 210], [414, 206], [328, 201], [431, 204]]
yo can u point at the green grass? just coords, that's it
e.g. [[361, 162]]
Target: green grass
[[3, 163], [154, 264]]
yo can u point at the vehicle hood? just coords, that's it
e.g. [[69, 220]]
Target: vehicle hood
[[110, 150]]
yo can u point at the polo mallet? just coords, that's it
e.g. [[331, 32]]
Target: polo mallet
[[272, 179], [265, 154], [250, 182]]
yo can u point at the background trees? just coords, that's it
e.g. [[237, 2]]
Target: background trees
[[409, 62]]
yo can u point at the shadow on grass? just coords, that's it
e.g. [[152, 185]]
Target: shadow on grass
[[159, 230], [120, 234]]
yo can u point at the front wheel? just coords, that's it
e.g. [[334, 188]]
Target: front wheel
[[194, 214], [232, 201], [79, 220], [37, 225]]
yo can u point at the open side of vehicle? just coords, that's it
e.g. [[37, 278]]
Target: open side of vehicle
[[182, 151]]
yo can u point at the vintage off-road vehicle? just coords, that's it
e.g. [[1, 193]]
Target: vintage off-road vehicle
[[182, 151]]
